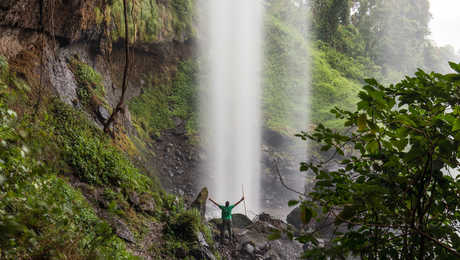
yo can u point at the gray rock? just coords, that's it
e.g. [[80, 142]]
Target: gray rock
[[294, 218], [147, 206], [180, 253], [200, 202], [62, 77], [122, 230], [240, 220], [143, 203], [133, 198], [274, 138], [201, 240], [248, 248], [202, 253], [103, 114]]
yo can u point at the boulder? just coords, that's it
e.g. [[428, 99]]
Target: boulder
[[143, 203], [202, 253], [249, 248], [216, 222], [240, 221], [133, 198], [294, 218], [122, 230], [147, 204], [200, 202], [103, 114], [274, 138]]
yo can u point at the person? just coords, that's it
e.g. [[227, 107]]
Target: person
[[226, 217]]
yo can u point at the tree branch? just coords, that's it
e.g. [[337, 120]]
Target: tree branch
[[277, 171], [448, 248]]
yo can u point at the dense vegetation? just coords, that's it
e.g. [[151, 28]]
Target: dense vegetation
[[395, 192], [156, 109], [346, 42], [44, 215]]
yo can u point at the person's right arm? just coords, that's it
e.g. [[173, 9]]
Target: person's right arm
[[215, 203]]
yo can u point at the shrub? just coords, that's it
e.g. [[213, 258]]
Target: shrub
[[393, 189]]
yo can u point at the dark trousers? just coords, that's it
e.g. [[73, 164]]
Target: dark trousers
[[226, 225]]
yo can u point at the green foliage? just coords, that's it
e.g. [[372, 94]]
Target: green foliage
[[394, 189], [91, 156], [328, 15], [150, 21], [329, 89], [90, 89], [182, 229], [185, 225], [184, 96], [41, 216], [155, 109], [3, 68], [44, 217], [334, 77], [183, 15], [285, 76], [395, 35]]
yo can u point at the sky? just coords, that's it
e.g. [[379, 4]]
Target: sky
[[445, 24]]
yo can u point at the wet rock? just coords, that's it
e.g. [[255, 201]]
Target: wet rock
[[249, 248], [180, 252], [294, 218], [201, 240], [143, 203], [240, 220], [133, 198], [202, 253], [103, 114], [200, 202], [62, 78], [122, 230], [147, 204], [216, 222], [5, 4], [274, 138]]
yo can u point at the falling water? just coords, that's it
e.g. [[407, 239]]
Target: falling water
[[231, 69]]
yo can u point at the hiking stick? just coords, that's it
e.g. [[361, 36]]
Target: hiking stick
[[244, 201]]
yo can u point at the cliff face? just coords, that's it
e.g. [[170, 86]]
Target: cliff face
[[54, 44]]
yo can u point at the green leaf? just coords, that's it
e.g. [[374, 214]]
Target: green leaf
[[293, 203], [456, 125], [373, 147], [455, 66], [306, 214], [362, 119], [274, 235]]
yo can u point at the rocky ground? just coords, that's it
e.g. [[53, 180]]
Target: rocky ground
[[251, 239]]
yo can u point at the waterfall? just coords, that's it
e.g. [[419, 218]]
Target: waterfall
[[231, 56]]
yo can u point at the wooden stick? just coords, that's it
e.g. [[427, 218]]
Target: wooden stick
[[244, 201]]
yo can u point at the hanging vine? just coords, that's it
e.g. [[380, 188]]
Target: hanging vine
[[124, 86]]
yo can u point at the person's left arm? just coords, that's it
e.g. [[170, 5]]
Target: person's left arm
[[238, 202]]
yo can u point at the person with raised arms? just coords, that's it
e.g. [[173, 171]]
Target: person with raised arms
[[226, 217]]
